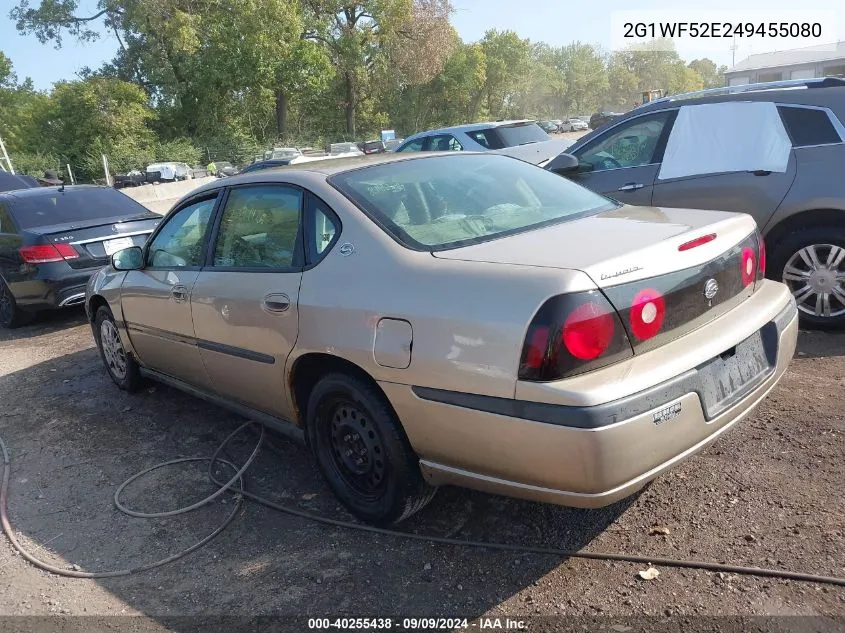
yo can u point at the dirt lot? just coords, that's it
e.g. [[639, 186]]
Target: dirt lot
[[769, 494]]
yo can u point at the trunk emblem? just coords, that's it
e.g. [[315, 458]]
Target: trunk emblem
[[710, 289]]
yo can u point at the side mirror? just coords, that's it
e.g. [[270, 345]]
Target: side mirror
[[131, 258], [563, 164]]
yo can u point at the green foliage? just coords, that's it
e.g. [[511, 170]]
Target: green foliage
[[195, 80]]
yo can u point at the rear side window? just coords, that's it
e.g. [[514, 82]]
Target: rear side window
[[74, 205], [6, 225], [412, 146], [808, 126]]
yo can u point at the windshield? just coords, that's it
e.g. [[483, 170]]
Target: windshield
[[79, 205], [435, 203]]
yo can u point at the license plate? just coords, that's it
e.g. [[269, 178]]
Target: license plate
[[118, 244], [725, 379]]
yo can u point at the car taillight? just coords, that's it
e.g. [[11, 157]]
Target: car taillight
[[648, 311], [572, 334], [46, 253], [748, 261], [761, 258]]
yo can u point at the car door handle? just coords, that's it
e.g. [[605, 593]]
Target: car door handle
[[631, 186], [179, 293], [276, 302]]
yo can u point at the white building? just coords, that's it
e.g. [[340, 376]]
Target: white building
[[798, 63]]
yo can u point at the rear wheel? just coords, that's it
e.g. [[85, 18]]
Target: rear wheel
[[10, 314], [812, 263], [362, 451], [120, 365]]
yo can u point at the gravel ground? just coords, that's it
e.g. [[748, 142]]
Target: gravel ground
[[768, 494]]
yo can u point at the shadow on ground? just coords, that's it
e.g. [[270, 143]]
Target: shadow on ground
[[74, 437], [46, 323]]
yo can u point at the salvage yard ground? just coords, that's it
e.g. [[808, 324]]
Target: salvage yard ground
[[768, 494]]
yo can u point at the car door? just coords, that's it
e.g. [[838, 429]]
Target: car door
[[623, 162], [155, 301], [244, 302], [758, 193]]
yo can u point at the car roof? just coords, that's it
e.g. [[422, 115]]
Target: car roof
[[37, 192], [471, 127]]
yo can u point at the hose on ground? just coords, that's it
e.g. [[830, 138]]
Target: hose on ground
[[236, 486]]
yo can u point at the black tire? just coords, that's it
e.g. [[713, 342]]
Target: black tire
[[378, 479], [789, 245], [129, 379], [11, 315]]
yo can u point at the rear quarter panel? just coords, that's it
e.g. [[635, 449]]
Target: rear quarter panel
[[468, 318]]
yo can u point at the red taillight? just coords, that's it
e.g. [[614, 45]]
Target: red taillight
[[588, 331], [748, 263], [46, 253], [697, 242], [538, 344], [648, 310]]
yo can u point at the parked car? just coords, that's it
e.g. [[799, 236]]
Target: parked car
[[577, 125], [171, 171], [345, 148], [134, 178], [548, 126], [522, 139], [225, 168], [53, 238], [11, 182], [602, 118], [549, 343], [799, 206], [392, 144], [284, 152], [266, 164], [372, 147]]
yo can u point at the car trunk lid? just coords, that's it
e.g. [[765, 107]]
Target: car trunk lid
[[660, 268]]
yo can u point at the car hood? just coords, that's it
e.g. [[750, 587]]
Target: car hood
[[616, 246], [536, 153]]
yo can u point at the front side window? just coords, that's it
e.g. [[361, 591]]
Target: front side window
[[440, 202], [412, 146], [630, 144], [444, 143], [180, 241], [259, 228]]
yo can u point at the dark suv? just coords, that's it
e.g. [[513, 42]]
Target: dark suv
[[52, 239], [666, 154]]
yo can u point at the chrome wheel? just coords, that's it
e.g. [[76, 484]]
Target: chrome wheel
[[816, 277], [113, 352]]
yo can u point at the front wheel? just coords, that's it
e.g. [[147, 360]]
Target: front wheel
[[812, 263], [362, 451], [120, 366]]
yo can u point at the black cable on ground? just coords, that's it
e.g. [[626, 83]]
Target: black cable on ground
[[241, 494]]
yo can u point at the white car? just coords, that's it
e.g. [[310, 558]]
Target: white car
[[171, 171]]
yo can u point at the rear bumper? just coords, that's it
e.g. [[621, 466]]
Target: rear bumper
[[568, 461], [56, 285]]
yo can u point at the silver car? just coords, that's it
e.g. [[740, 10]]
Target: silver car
[[462, 318]]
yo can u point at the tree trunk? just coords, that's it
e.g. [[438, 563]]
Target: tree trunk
[[281, 113], [350, 106]]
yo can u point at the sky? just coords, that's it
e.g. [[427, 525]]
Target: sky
[[556, 22]]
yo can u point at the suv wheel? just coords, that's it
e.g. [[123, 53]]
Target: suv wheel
[[812, 263], [10, 314], [121, 367], [362, 451]]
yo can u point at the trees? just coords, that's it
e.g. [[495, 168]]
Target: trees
[[711, 75]]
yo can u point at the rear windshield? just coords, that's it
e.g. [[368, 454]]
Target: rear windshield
[[509, 135], [435, 202], [47, 209]]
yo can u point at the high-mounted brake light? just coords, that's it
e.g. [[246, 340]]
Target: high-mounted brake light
[[47, 253], [699, 241]]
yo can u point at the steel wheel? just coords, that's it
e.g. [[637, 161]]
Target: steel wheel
[[816, 276], [113, 352], [358, 452]]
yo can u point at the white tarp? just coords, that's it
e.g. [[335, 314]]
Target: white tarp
[[714, 138]]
